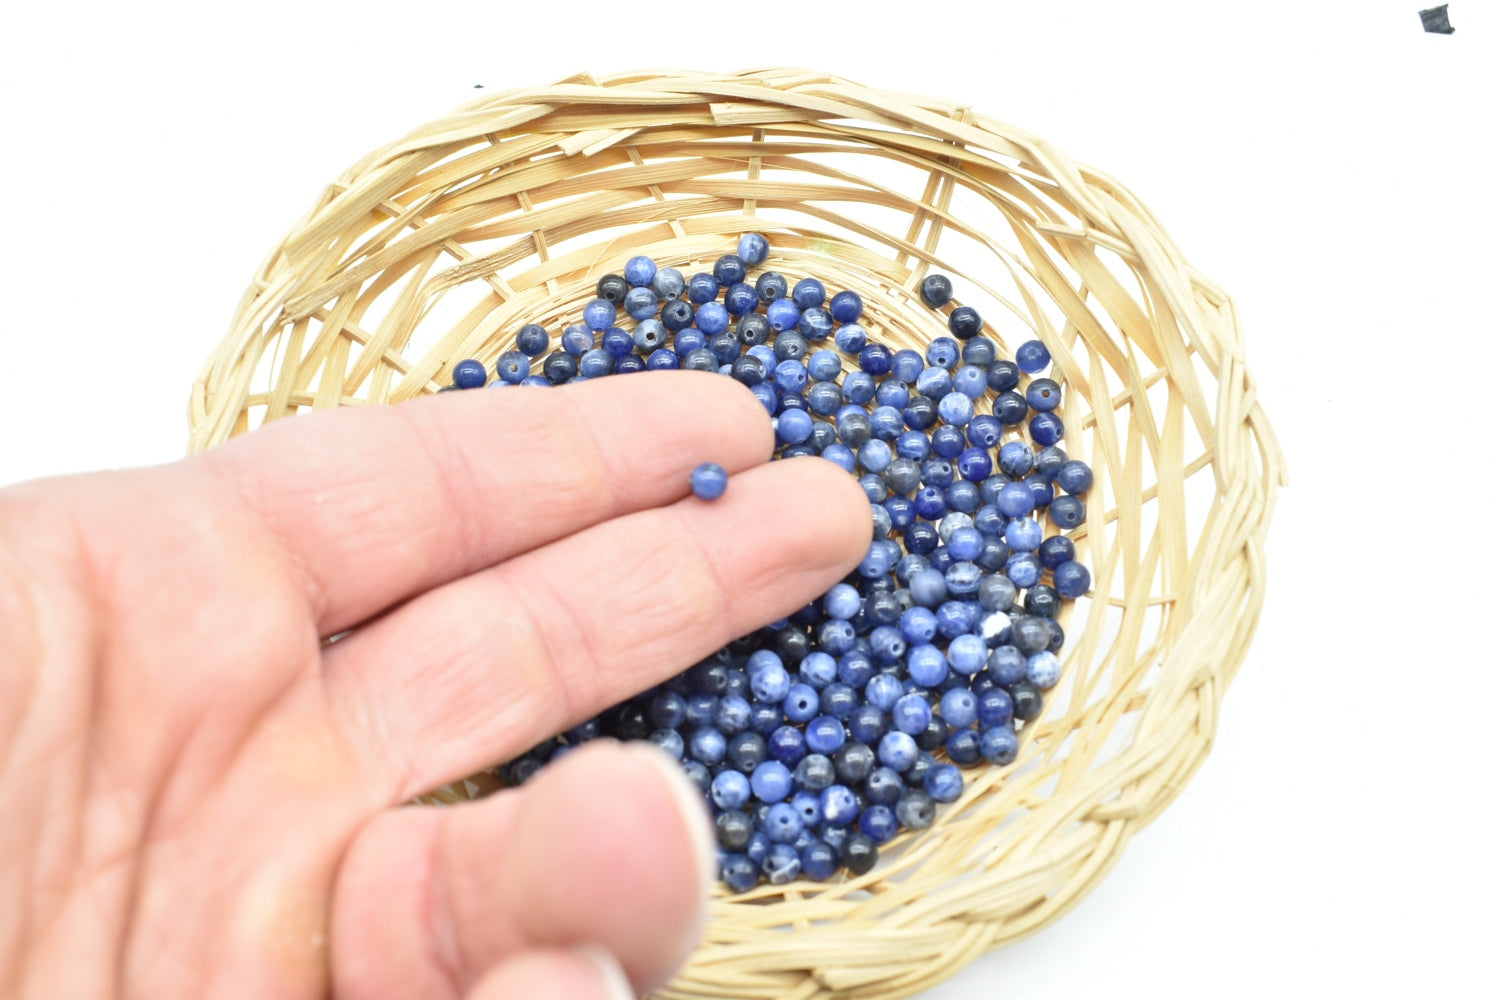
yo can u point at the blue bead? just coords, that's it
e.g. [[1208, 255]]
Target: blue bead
[[667, 710], [979, 352], [911, 714], [793, 426], [753, 249], [888, 646], [883, 691], [702, 288], [663, 359], [1015, 500], [771, 780], [913, 445], [971, 382], [595, 363], [859, 387], [842, 456], [808, 805], [927, 588], [855, 667], [918, 625], [955, 617], [818, 669], [707, 745], [920, 413], [958, 707], [927, 665], [641, 303], [739, 872], [770, 285], [532, 340], [1043, 394], [1015, 459], [1071, 580], [824, 398], [967, 654], [957, 409], [669, 741], [846, 307], [469, 374], [935, 291], [639, 270], [921, 537], [758, 847], [542, 380], [850, 337], [618, 342], [906, 365], [1007, 666], [729, 269], [1023, 569], [867, 725], [874, 359], [1023, 534], [676, 315], [741, 299], [962, 578], [733, 714], [841, 601], [790, 344], [964, 747], [875, 456], [877, 562], [769, 684], [964, 497], [894, 393], [1043, 492], [814, 324], [1002, 375], [886, 423], [947, 442], [1067, 512], [769, 397], [900, 511], [897, 750], [839, 701], [1010, 408], [965, 544], [513, 367], [999, 745], [1043, 669], [825, 734], [1055, 550], [783, 824], [835, 636], [824, 366], [765, 356], [782, 314], [943, 783], [1046, 429], [712, 318], [1073, 476], [709, 480], [791, 375], [1032, 356], [839, 805], [964, 322], [884, 786], [984, 431], [974, 464], [1047, 463], [943, 353], [599, 314], [730, 790], [808, 293], [879, 823], [935, 383], [787, 744], [929, 503], [819, 861], [815, 773]]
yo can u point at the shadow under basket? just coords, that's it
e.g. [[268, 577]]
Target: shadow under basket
[[439, 246]]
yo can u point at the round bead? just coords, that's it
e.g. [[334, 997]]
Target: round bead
[[708, 480], [915, 809], [808, 293], [1043, 669], [816, 324], [943, 783], [641, 303], [1067, 512], [965, 322], [859, 854], [935, 291], [839, 805], [771, 781], [1032, 356], [599, 314], [1046, 429], [782, 823], [469, 374], [1071, 579], [702, 287], [1043, 394], [879, 823], [846, 307], [1074, 476], [825, 734], [782, 314], [532, 340], [729, 269], [958, 707], [999, 745], [739, 872], [639, 270], [731, 790], [753, 248], [819, 860], [897, 750]]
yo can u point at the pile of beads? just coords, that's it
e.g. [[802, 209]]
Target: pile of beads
[[815, 738]]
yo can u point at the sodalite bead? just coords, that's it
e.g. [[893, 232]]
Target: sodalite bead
[[783, 823], [879, 823], [753, 249], [707, 745], [824, 398], [814, 324], [676, 315], [783, 314], [819, 861], [927, 665], [771, 780], [663, 359], [790, 344], [964, 322], [595, 363], [895, 394], [639, 270], [944, 783], [964, 747], [915, 809], [875, 359], [730, 790], [970, 382], [1043, 394], [641, 303], [1046, 429], [824, 366], [1067, 512], [1032, 356], [947, 442], [770, 285], [1023, 534], [1071, 579], [839, 805], [739, 872], [935, 290], [842, 456], [967, 654], [875, 456], [808, 293], [999, 745], [935, 383], [702, 287], [1010, 408], [958, 707], [1072, 476], [599, 314], [741, 299], [1043, 669], [1023, 569]]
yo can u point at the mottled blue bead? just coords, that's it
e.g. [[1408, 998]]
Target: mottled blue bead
[[769, 397], [1043, 394], [841, 601], [532, 340], [963, 496], [911, 714], [670, 741], [753, 249], [769, 684], [771, 285], [702, 287], [913, 445], [1043, 669], [783, 314], [893, 393], [835, 636], [824, 398], [815, 773], [918, 625], [787, 745], [808, 293], [618, 342], [1015, 500], [791, 376], [900, 511], [935, 383], [963, 578], [842, 456], [1023, 569], [1023, 534], [1010, 408], [577, 339], [878, 821], [839, 805], [639, 270], [927, 665], [967, 654], [1073, 476], [676, 315], [957, 409], [979, 352], [920, 413], [964, 322], [875, 456], [958, 707], [729, 269], [965, 544], [955, 618], [1007, 665], [730, 790], [741, 299], [793, 426], [970, 382], [667, 710], [512, 367], [1067, 512], [1042, 490], [1071, 580], [882, 691], [641, 303], [701, 708], [927, 588], [1032, 356], [712, 318], [790, 344], [838, 701], [886, 423], [819, 861], [876, 491], [1048, 461], [814, 324], [1015, 459], [875, 359], [771, 780], [599, 314], [808, 805], [943, 783], [733, 714], [984, 431], [964, 747], [708, 480], [824, 365], [855, 667], [999, 745], [595, 363], [783, 824], [758, 847], [1003, 375], [1046, 429], [877, 561], [707, 745]]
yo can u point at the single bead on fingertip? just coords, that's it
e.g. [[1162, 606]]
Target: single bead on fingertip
[[709, 481]]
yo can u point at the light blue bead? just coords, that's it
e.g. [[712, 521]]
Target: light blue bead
[[808, 805], [599, 314], [753, 248], [935, 383], [783, 825], [898, 751], [769, 684], [1023, 534], [639, 270], [963, 579], [712, 318], [825, 734], [841, 601], [893, 393], [913, 445], [1023, 569], [943, 782], [927, 587], [943, 352], [996, 628], [859, 387], [851, 337], [819, 668], [794, 426], [824, 366], [888, 645], [791, 375], [957, 409], [883, 691], [595, 363], [888, 423], [875, 456], [927, 665], [906, 366], [766, 356], [708, 745], [782, 314], [771, 781], [911, 714], [842, 456], [1043, 669], [971, 381], [958, 707], [802, 703], [839, 805], [967, 654], [731, 790], [918, 625], [877, 562]]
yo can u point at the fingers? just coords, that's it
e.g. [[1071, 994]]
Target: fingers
[[375, 504], [556, 974], [608, 847], [483, 668]]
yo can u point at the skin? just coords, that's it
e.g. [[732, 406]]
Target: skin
[[203, 796]]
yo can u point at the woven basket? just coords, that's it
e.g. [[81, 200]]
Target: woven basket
[[439, 246]]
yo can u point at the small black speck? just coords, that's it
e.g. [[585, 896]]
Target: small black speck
[[1436, 20], [477, 86]]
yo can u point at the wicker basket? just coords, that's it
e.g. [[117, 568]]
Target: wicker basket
[[439, 246]]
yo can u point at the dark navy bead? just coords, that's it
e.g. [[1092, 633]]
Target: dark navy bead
[[1010, 408], [559, 367], [469, 374], [702, 288], [1073, 476], [879, 823], [790, 345], [964, 747], [1028, 702], [964, 322], [943, 783], [853, 763], [753, 249], [1055, 550], [979, 352], [1002, 375], [1067, 512], [815, 773], [838, 701], [875, 359], [1007, 666], [1042, 490], [759, 845], [1048, 461], [846, 307], [819, 861], [739, 872], [921, 537], [1043, 394], [808, 293], [748, 370], [663, 359], [1032, 356], [892, 392], [859, 854], [532, 340], [903, 476], [915, 809], [677, 314], [1046, 429], [974, 464], [612, 288], [920, 413], [947, 442], [699, 360], [729, 269], [867, 725], [734, 828], [725, 346], [935, 291], [913, 445], [1071, 580], [770, 286]]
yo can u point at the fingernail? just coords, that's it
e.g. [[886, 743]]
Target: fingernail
[[693, 813], [609, 972]]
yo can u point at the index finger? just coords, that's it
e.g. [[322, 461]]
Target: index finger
[[375, 505]]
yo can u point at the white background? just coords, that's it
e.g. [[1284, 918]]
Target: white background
[[1327, 163]]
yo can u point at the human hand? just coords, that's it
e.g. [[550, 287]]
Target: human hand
[[201, 797]]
